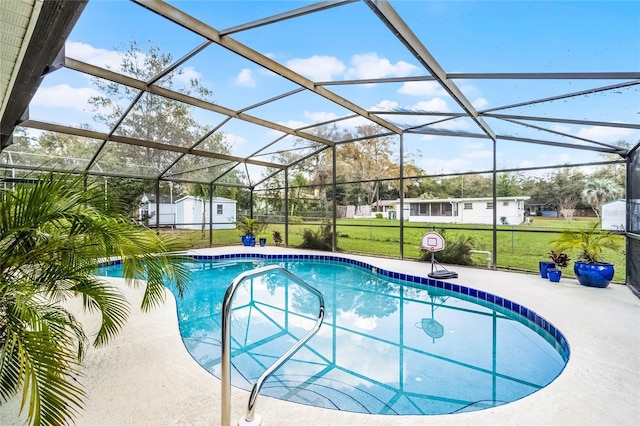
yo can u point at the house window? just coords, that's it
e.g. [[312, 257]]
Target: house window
[[468, 206], [489, 206], [505, 203], [424, 209], [218, 208]]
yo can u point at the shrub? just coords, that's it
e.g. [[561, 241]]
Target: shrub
[[322, 239], [379, 215]]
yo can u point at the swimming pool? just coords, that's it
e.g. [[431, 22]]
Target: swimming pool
[[386, 347]]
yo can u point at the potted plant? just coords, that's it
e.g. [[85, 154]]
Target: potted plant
[[560, 260], [250, 227], [590, 269], [544, 266]]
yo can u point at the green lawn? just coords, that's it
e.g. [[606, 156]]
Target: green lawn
[[520, 247]]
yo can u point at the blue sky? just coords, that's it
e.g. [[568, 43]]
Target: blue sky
[[349, 42]]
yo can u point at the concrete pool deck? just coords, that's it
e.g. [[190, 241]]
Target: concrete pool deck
[[147, 377]]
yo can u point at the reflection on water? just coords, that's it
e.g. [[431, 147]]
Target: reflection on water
[[384, 347]]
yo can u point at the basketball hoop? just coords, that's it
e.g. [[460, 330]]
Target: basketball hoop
[[432, 241]]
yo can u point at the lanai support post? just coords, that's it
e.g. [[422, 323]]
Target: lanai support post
[[286, 207], [251, 202], [334, 205], [157, 205], [401, 215], [211, 215], [495, 205]]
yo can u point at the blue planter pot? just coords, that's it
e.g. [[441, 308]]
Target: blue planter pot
[[554, 275], [544, 266], [248, 240], [593, 274]]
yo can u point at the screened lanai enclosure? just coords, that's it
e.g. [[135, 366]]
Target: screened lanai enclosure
[[366, 122]]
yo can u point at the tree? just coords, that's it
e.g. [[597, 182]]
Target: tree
[[600, 190], [295, 192], [548, 190], [153, 118], [369, 160], [53, 235], [507, 185], [566, 206], [201, 193]]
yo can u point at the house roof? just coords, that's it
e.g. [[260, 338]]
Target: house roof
[[214, 199]]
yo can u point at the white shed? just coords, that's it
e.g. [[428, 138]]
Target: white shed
[[614, 216], [189, 213], [147, 212]]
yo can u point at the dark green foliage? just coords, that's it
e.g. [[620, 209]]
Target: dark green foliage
[[322, 239], [457, 251], [54, 233]]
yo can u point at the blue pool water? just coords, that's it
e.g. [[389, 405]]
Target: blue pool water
[[386, 346]]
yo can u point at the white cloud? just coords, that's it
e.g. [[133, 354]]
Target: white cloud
[[433, 105], [317, 68], [473, 145], [422, 88], [604, 134], [65, 96], [318, 117], [564, 158], [245, 78], [370, 65], [112, 59], [354, 122], [356, 321], [234, 140], [92, 55], [385, 105], [188, 74], [480, 103], [455, 124], [479, 154], [526, 164], [560, 128], [294, 124]]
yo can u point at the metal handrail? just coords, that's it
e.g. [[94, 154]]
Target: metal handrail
[[226, 341]]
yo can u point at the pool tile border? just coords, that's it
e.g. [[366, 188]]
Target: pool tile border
[[559, 340]]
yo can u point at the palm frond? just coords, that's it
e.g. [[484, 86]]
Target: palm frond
[[54, 234]]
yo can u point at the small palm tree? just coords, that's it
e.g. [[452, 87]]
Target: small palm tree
[[588, 242], [54, 234], [250, 227], [600, 190]]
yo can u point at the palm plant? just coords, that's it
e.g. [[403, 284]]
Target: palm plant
[[600, 190], [54, 234], [589, 243], [251, 227]]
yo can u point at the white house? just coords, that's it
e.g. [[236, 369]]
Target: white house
[[189, 213], [510, 210], [614, 215]]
